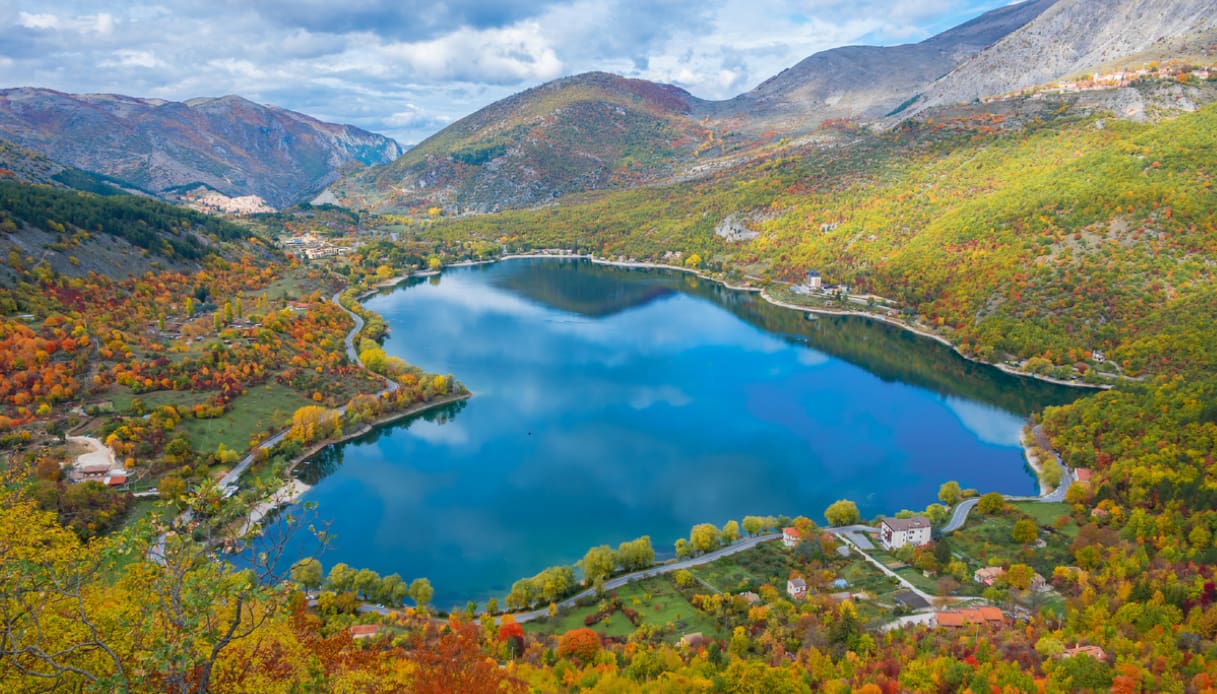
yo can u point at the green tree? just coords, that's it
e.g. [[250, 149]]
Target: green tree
[[1019, 576], [753, 525], [730, 532], [704, 538], [367, 583], [684, 550], [307, 572], [842, 512], [1024, 531], [599, 562], [421, 592], [636, 554], [950, 493], [393, 590], [991, 503], [341, 578], [1083, 673]]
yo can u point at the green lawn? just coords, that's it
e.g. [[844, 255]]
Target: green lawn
[[1047, 514], [985, 540], [657, 602], [726, 576], [918, 579], [261, 408], [121, 397]]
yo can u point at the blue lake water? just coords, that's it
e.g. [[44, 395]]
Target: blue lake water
[[613, 403]]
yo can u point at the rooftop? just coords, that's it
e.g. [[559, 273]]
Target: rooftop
[[914, 523]]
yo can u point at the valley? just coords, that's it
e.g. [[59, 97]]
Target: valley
[[893, 373]]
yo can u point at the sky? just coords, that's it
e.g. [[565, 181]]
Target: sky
[[406, 68]]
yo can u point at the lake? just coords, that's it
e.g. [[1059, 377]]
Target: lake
[[611, 403]]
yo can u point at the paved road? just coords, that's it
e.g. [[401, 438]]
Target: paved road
[[228, 483], [615, 583], [843, 534], [352, 353], [960, 515]]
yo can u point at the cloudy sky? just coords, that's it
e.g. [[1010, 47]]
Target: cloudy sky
[[406, 68]]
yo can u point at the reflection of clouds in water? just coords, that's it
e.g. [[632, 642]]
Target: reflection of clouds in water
[[477, 298], [436, 434], [642, 398], [810, 357], [990, 424]]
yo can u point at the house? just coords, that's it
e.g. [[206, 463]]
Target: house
[[813, 281], [1039, 584], [1083, 475], [1093, 651], [898, 532], [796, 588], [791, 536], [989, 575], [694, 640], [980, 616], [364, 631], [116, 478]]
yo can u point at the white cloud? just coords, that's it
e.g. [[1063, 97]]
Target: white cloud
[[38, 21], [130, 58], [394, 68]]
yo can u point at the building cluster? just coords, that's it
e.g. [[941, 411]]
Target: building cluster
[[314, 248], [813, 283]]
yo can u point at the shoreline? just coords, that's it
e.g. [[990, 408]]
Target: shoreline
[[292, 489], [795, 307], [1033, 461]]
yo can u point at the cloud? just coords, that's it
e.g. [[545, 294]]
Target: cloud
[[406, 68]]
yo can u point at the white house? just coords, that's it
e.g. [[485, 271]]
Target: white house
[[813, 281], [790, 536], [796, 588], [898, 532]]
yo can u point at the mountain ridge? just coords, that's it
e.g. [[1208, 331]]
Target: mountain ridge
[[229, 143]]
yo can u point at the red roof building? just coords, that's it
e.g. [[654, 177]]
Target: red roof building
[[791, 536]]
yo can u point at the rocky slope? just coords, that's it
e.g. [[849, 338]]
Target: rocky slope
[[864, 82], [598, 131], [1070, 37], [230, 144]]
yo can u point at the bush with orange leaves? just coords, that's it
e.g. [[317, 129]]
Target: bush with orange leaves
[[580, 645]]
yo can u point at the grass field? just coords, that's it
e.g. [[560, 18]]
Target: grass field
[[985, 540], [1047, 514], [657, 602], [121, 397], [261, 408]]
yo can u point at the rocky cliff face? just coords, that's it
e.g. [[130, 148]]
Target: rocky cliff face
[[862, 82], [233, 145], [1069, 37]]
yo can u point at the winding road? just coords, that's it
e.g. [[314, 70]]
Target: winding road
[[960, 515], [228, 483], [614, 583]]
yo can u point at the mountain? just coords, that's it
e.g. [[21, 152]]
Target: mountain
[[1069, 37], [584, 132], [863, 82], [596, 131], [229, 144]]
